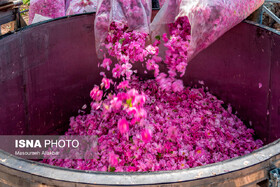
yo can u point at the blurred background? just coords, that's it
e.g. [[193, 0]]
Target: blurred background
[[265, 18]]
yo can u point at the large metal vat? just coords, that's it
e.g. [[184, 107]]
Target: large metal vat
[[47, 71]]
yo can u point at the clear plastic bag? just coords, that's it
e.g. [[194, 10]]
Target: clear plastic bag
[[209, 19], [135, 14], [38, 18], [46, 8], [67, 3], [81, 6], [161, 2]]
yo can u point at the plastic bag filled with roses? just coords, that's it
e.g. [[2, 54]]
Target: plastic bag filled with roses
[[134, 14], [207, 19]]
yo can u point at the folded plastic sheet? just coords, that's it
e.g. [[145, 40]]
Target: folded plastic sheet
[[46, 8], [67, 3], [38, 18], [81, 6]]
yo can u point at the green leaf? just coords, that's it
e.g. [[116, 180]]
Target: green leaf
[[159, 156], [121, 40], [112, 169], [129, 102], [26, 2], [130, 139], [158, 37]]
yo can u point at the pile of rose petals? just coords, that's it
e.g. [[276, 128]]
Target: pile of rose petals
[[155, 124], [182, 130]]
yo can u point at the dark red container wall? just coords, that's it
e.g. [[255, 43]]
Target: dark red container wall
[[234, 66], [274, 107], [47, 72], [55, 67]]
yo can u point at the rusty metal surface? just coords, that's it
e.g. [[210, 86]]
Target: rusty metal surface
[[3, 2], [9, 11], [14, 2], [7, 16], [48, 69]]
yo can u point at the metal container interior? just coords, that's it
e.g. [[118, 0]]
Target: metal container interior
[[48, 69]]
